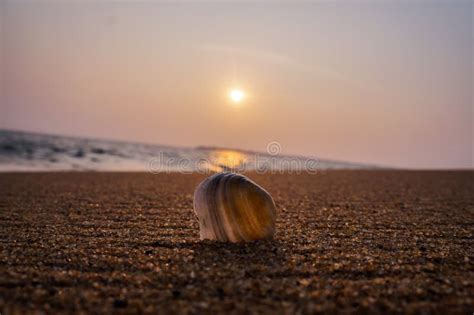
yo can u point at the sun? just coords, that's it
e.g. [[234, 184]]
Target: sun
[[237, 95]]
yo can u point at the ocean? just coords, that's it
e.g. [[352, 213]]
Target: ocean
[[24, 151]]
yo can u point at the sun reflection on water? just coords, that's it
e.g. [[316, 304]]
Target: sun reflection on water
[[223, 160]]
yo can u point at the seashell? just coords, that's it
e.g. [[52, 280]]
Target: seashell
[[231, 207]]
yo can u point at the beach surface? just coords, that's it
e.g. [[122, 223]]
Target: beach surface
[[346, 241]]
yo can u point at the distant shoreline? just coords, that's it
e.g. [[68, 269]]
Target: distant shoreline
[[35, 151]]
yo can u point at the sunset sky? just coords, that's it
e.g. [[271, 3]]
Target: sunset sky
[[374, 82]]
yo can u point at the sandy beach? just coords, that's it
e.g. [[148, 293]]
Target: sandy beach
[[346, 241]]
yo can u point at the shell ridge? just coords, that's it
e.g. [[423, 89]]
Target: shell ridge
[[219, 215], [250, 218], [222, 199], [201, 209], [228, 203], [235, 210]]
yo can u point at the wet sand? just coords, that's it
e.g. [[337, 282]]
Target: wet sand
[[346, 241]]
